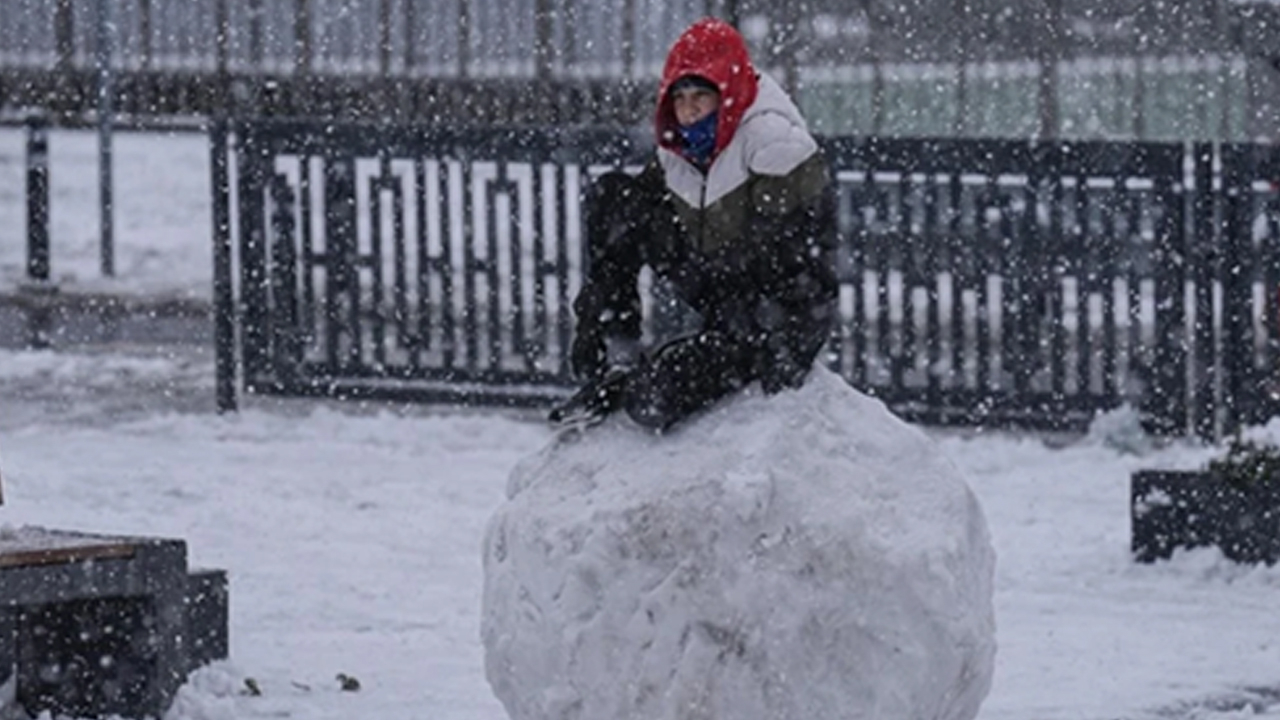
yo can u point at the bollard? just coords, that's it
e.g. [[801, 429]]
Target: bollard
[[38, 198]]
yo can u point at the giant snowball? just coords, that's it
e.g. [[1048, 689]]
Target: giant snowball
[[799, 557]]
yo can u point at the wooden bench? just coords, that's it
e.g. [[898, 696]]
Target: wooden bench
[[93, 625]]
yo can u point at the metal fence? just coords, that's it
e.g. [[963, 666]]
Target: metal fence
[[983, 282]]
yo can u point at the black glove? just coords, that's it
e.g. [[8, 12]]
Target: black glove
[[790, 341], [781, 369], [587, 355]]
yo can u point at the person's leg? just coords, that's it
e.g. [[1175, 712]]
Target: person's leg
[[608, 305], [685, 376]]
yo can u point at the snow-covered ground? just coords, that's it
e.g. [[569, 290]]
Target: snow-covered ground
[[352, 537], [352, 532]]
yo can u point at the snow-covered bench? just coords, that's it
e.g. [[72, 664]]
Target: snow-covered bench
[[93, 625]]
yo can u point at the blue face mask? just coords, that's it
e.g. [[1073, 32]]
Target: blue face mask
[[700, 139]]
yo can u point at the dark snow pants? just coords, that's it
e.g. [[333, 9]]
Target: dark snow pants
[[685, 376], [756, 325]]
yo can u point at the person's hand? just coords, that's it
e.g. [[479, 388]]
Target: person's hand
[[587, 354], [781, 368]]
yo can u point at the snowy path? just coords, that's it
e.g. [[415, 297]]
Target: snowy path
[[352, 538]]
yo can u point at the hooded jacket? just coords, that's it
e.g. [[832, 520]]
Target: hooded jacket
[[750, 243]]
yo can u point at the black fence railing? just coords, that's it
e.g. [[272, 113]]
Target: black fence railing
[[983, 282]]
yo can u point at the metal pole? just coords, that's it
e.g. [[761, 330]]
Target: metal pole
[[1050, 53], [106, 92], [38, 199], [224, 316]]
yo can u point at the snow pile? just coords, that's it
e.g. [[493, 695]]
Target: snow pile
[[805, 556], [1121, 430]]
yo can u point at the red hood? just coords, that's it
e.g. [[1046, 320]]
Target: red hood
[[713, 49]]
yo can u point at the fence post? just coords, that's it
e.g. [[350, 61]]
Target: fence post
[[106, 109], [224, 308], [64, 35], [1237, 323], [38, 199], [544, 41], [464, 38], [256, 52], [1166, 392], [1203, 261], [302, 60], [39, 315], [145, 23], [1049, 53], [384, 40]]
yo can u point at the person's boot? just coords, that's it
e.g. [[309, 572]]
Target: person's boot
[[593, 403]]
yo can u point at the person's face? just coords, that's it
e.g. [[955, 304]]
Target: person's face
[[693, 104]]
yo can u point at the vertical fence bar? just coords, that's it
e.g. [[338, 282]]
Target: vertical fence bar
[[1237, 330], [517, 319], [384, 39], [64, 35], [106, 113], [302, 43], [544, 54], [1052, 292], [629, 15], [255, 34], [859, 323], [464, 38], [425, 263], [447, 263], [286, 334], [564, 318], [377, 293], [224, 318], [470, 266], [1083, 268], [933, 296], [1138, 365], [987, 249], [907, 253], [879, 240], [1109, 271], [410, 20], [251, 177], [492, 284], [38, 253], [222, 52], [959, 259], [340, 258], [306, 242], [1270, 267], [400, 258], [1204, 259], [538, 230], [1023, 264], [145, 30], [1166, 390]]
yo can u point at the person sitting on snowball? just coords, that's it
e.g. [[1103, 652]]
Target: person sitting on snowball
[[736, 210]]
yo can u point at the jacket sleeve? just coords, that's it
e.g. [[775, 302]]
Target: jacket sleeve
[[793, 225]]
